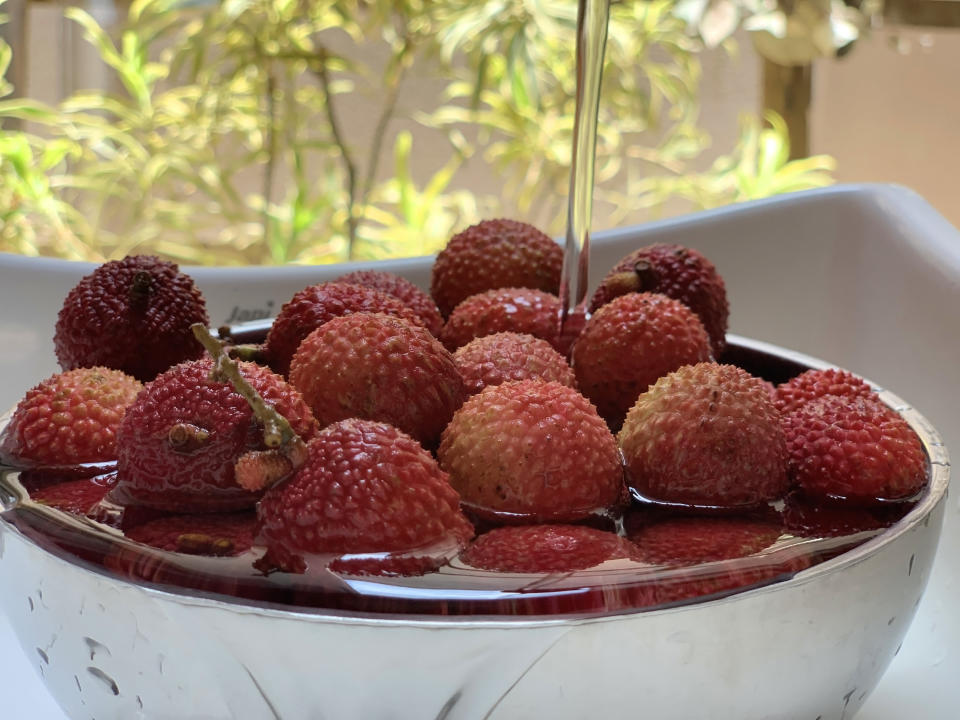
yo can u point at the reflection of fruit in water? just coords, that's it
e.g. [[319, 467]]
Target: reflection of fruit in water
[[545, 549]]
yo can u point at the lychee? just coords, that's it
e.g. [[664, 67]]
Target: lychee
[[313, 306], [502, 357], [132, 315], [71, 417], [675, 271], [531, 450], [378, 367], [631, 342], [705, 435], [494, 254]]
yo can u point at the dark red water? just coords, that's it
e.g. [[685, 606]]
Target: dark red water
[[810, 534]]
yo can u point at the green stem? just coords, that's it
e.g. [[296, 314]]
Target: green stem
[[277, 431]]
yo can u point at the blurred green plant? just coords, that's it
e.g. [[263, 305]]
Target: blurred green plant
[[253, 131]]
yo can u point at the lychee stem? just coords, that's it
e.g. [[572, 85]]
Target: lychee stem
[[140, 288], [276, 428], [278, 434]]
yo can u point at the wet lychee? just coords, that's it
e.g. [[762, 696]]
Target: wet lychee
[[706, 435], [631, 342], [494, 254], [532, 450], [378, 367], [675, 271]]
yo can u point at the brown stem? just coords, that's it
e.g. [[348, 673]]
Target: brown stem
[[320, 70], [187, 438], [140, 288], [276, 428], [386, 114], [271, 154], [286, 452]]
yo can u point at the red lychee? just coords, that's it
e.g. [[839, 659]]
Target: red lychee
[[675, 271], [182, 437], [631, 342], [531, 450], [816, 383], [706, 435], [69, 418], [855, 448], [402, 289], [519, 310], [368, 490], [502, 357], [494, 254], [313, 306], [132, 315], [378, 367]]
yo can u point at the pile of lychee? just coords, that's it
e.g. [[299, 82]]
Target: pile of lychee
[[383, 430]]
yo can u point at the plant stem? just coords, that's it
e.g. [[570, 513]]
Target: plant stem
[[386, 114], [320, 70], [271, 156]]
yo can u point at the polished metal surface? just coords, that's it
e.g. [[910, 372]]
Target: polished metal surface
[[811, 647]]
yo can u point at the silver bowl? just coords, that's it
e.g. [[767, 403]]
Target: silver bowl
[[812, 646]]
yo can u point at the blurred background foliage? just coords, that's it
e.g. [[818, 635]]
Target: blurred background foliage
[[228, 136]]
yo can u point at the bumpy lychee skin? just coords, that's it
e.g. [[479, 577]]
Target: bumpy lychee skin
[[132, 315], [402, 289], [706, 435], [519, 310], [365, 488], [854, 448], [313, 306], [678, 272], [182, 436], [494, 254], [629, 343], [545, 549], [71, 417], [502, 357], [378, 367], [531, 450], [812, 384]]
